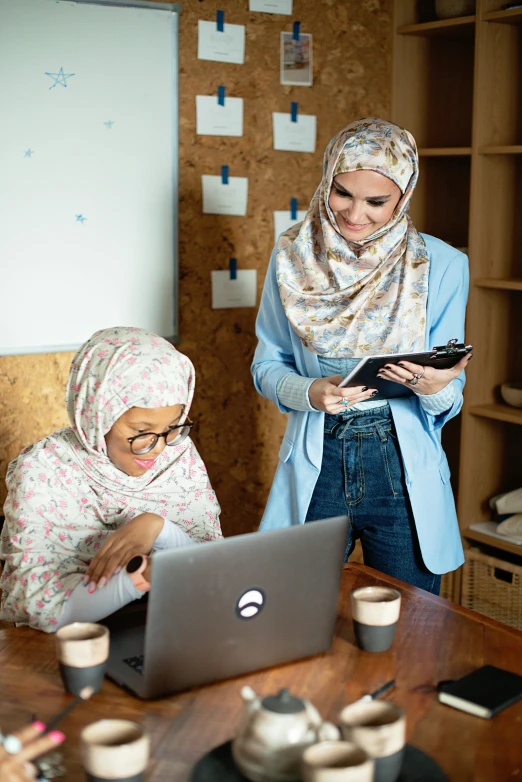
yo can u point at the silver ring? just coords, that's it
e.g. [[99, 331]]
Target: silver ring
[[345, 402], [414, 380], [12, 745]]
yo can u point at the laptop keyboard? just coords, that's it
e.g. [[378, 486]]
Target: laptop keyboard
[[136, 663]]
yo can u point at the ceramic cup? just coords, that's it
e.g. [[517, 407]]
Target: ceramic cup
[[336, 761], [82, 649], [379, 727], [375, 613], [115, 750]]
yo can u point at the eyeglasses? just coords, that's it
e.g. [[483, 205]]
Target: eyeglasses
[[145, 442]]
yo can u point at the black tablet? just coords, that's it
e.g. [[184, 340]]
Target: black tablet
[[365, 373]]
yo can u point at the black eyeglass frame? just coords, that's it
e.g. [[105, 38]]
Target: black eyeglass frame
[[186, 424]]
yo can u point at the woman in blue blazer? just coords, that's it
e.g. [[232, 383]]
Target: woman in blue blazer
[[355, 278]]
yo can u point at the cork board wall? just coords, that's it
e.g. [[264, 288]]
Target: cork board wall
[[238, 433]]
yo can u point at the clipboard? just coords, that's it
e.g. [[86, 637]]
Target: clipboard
[[365, 373]]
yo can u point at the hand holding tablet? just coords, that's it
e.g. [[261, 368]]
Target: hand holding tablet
[[398, 374]]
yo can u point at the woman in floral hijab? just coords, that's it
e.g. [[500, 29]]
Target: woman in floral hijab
[[357, 279], [122, 480]]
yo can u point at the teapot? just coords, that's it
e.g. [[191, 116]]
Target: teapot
[[274, 732]]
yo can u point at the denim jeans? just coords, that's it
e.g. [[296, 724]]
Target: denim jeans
[[362, 477]]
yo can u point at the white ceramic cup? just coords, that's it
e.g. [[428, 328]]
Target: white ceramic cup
[[379, 727], [336, 761], [375, 613], [82, 649], [115, 750]]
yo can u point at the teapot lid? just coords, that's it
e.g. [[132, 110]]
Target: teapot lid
[[283, 703]]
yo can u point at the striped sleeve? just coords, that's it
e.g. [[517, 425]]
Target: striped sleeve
[[438, 403], [292, 391]]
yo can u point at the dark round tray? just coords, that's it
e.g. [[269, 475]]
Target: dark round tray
[[218, 766]]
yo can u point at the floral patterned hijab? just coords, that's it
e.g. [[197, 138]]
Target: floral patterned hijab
[[65, 495], [345, 298]]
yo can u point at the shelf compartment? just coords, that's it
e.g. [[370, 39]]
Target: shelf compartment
[[439, 73], [496, 284], [496, 246], [462, 25], [444, 151], [498, 412], [490, 459], [498, 95], [489, 540], [440, 204]]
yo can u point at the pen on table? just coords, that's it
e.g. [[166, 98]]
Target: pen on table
[[83, 695], [372, 695]]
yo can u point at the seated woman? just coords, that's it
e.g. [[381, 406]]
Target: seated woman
[[123, 480]]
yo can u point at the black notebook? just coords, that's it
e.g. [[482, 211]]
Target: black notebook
[[483, 692]]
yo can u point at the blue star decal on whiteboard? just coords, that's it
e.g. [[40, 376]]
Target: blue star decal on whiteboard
[[80, 219], [28, 153], [109, 124], [59, 78]]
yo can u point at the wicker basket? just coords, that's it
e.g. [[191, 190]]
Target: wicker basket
[[492, 587]]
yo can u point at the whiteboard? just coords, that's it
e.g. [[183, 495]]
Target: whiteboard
[[88, 171]]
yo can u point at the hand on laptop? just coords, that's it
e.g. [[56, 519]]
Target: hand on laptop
[[136, 537]]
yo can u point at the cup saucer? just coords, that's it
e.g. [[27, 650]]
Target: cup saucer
[[218, 766]]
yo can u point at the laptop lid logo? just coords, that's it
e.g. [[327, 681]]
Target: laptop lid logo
[[250, 604]]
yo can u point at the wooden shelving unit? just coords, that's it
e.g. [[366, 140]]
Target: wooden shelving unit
[[457, 85], [444, 151], [506, 285], [498, 412], [515, 149], [463, 25], [487, 540]]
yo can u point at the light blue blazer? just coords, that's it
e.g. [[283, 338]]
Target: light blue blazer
[[426, 468]]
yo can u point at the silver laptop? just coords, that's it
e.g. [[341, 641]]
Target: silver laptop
[[224, 608]]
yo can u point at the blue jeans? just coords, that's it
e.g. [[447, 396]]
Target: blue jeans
[[362, 477]]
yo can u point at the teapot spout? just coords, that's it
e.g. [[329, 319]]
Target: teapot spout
[[248, 694]]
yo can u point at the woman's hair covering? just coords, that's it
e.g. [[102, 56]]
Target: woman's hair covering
[[345, 298]]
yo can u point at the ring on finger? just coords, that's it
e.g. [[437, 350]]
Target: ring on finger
[[11, 744], [345, 402], [414, 380]]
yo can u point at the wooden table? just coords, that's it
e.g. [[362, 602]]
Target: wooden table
[[435, 640]]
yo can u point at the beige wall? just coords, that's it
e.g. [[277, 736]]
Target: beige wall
[[238, 432]]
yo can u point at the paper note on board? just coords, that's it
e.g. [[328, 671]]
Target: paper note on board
[[226, 46], [221, 199], [294, 136], [212, 119], [271, 6], [284, 220], [238, 292]]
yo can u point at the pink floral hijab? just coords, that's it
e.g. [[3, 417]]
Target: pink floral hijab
[[65, 495], [118, 369], [351, 299]]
